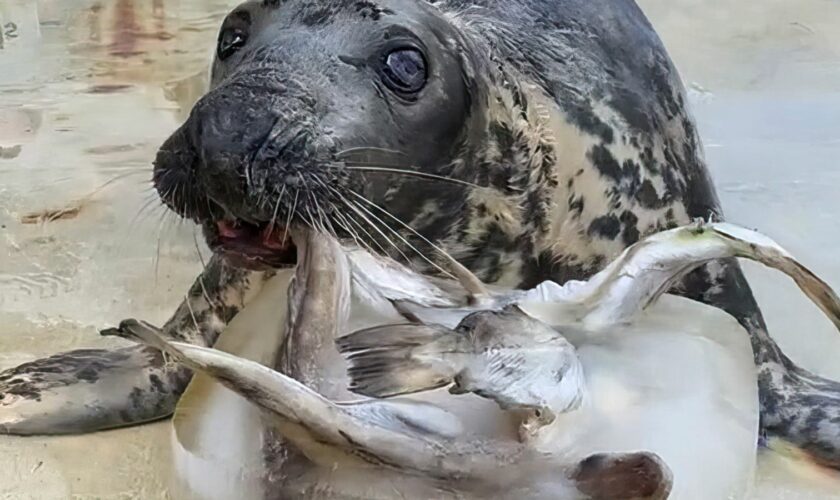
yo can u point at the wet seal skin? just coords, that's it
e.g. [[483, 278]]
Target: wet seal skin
[[529, 139]]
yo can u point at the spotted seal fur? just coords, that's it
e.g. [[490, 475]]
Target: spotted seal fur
[[529, 139]]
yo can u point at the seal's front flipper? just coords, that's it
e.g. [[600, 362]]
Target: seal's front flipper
[[87, 390], [95, 389]]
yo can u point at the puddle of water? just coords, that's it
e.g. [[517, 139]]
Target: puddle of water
[[90, 88]]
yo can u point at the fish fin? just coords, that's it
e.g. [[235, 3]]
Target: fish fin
[[651, 267], [144, 333], [758, 247], [393, 360], [388, 435]]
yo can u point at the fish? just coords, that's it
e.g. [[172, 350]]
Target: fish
[[659, 375], [203, 465], [639, 276], [519, 362], [424, 447], [412, 438]]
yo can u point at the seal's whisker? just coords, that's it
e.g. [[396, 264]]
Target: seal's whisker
[[385, 169], [352, 233], [157, 248], [164, 181], [357, 208], [175, 195], [370, 237], [179, 222], [403, 224], [134, 169], [312, 222], [291, 212], [197, 249], [187, 301], [319, 223], [184, 206], [110, 182], [408, 244], [276, 208], [361, 242], [150, 201], [146, 211], [465, 276], [308, 215], [74, 207], [368, 149], [325, 221], [361, 212], [209, 206], [247, 176], [322, 222], [205, 293]]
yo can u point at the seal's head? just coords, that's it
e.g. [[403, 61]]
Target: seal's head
[[316, 111]]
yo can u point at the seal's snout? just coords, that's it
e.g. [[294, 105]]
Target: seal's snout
[[330, 118], [249, 161]]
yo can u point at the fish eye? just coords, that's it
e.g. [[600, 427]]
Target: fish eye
[[404, 70], [230, 41]]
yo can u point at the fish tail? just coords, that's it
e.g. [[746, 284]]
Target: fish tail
[[392, 360]]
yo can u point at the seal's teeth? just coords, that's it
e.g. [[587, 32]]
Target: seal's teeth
[[228, 229], [273, 236]]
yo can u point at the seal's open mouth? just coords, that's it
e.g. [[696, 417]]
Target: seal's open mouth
[[252, 246]]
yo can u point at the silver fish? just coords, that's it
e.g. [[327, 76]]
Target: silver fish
[[410, 447], [519, 362], [416, 449], [413, 439]]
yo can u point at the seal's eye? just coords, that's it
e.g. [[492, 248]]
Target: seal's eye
[[404, 70], [229, 42]]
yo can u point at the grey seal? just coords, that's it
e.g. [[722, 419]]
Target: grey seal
[[529, 139]]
